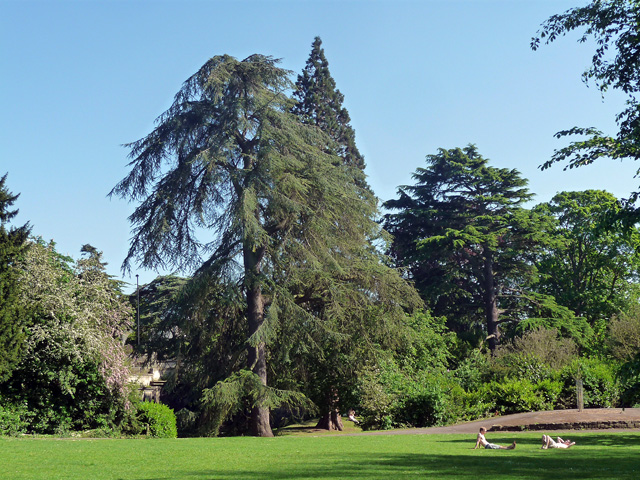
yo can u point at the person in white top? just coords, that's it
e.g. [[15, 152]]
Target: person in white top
[[482, 441], [352, 416], [548, 442]]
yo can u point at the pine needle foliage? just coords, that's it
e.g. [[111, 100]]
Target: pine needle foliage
[[466, 240], [229, 396], [320, 104], [13, 245]]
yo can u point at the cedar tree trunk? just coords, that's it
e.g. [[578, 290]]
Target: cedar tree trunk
[[490, 302], [332, 419], [257, 357]]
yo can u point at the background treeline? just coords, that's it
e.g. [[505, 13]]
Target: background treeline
[[454, 301]]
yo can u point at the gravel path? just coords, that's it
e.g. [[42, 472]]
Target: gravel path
[[591, 419]]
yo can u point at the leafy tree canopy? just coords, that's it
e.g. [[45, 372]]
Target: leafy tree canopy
[[589, 269], [613, 24]]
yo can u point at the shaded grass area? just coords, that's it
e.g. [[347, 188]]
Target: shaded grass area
[[597, 456], [309, 428]]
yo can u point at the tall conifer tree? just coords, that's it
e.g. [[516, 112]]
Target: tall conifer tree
[[283, 218], [320, 104], [12, 245]]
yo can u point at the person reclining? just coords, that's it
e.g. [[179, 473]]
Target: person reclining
[[352, 416], [483, 441], [547, 442]]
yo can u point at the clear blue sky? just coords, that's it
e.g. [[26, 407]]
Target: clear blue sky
[[80, 78]]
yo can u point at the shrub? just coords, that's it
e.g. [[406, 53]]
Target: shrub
[[471, 371], [157, 420], [391, 397], [629, 378], [515, 396], [600, 385], [534, 355], [14, 419], [549, 392], [471, 405], [375, 401], [62, 393], [421, 404], [526, 366], [624, 334]]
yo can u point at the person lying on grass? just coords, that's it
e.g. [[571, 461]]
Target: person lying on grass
[[483, 441], [547, 442]]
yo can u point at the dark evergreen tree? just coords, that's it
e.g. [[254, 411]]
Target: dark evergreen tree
[[230, 160], [199, 328], [320, 104], [464, 238], [13, 244]]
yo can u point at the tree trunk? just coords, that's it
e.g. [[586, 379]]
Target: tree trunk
[[257, 355], [331, 421], [490, 302], [260, 425]]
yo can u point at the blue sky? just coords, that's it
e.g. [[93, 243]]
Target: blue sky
[[81, 78]]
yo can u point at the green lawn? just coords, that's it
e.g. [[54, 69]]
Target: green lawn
[[596, 456]]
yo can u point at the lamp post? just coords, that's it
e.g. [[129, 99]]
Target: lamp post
[[138, 306]]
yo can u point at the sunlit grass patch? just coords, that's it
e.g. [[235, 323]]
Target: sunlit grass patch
[[596, 456]]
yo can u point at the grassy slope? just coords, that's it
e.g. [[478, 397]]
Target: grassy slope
[[597, 456]]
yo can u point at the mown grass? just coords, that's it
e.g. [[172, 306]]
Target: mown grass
[[308, 428], [450, 457]]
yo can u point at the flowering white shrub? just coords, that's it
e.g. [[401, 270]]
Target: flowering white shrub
[[74, 367]]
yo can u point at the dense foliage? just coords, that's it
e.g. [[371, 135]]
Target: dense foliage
[[72, 373], [13, 245], [319, 103], [466, 240], [589, 269], [156, 420]]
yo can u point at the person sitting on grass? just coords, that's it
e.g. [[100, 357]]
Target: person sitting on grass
[[492, 446], [547, 442], [352, 416]]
